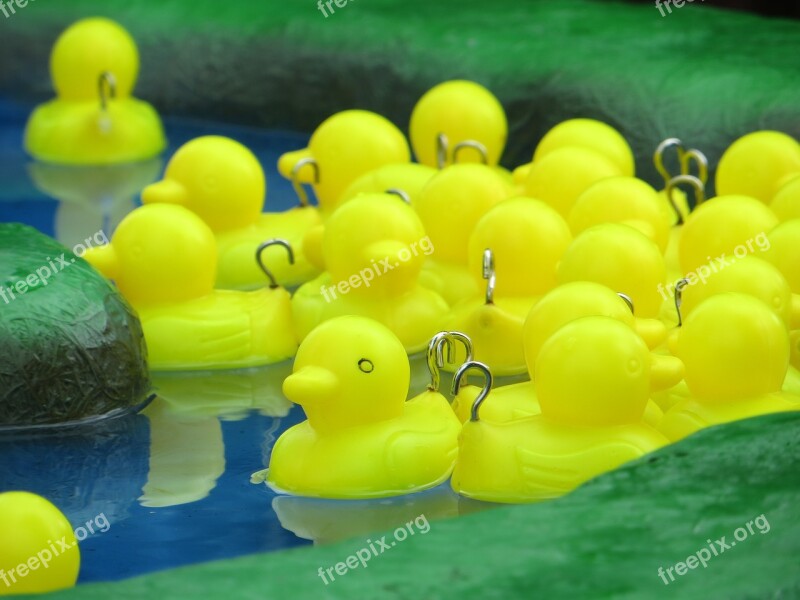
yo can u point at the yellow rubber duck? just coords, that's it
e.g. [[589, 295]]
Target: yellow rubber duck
[[592, 380], [786, 203], [557, 308], [450, 206], [716, 228], [758, 164], [584, 133], [403, 180], [94, 120], [344, 147], [374, 246], [516, 247], [736, 353], [458, 121], [625, 260], [362, 439], [163, 259], [222, 182]]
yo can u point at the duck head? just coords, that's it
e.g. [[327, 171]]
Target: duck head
[[215, 177], [463, 111], [349, 371], [783, 251], [344, 147], [159, 253], [786, 203], [621, 258], [86, 50], [734, 347], [527, 238], [593, 371], [452, 203]]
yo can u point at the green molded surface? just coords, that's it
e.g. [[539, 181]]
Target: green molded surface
[[702, 74], [70, 346], [605, 540]]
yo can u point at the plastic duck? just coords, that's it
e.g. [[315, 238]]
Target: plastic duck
[[163, 259], [344, 147], [458, 121], [621, 200], [31, 524], [450, 206], [404, 180], [584, 133], [720, 226], [592, 380], [222, 182], [515, 247], [94, 120], [361, 439], [758, 164], [374, 246], [562, 175], [736, 353], [786, 203], [624, 259]]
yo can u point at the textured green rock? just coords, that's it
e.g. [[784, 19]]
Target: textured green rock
[[702, 74], [605, 540], [70, 346]]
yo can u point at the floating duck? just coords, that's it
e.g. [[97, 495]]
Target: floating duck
[[450, 206], [786, 203], [94, 120], [458, 121], [515, 247], [344, 147], [736, 353], [31, 526], [758, 164], [592, 380], [374, 246], [222, 182], [561, 176], [719, 227], [625, 260], [163, 259], [621, 200], [361, 439], [590, 134]]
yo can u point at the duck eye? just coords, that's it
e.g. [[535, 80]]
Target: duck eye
[[366, 365]]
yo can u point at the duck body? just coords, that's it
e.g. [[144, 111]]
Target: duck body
[[398, 456]]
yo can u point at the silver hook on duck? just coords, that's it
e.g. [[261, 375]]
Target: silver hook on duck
[[489, 274], [107, 90], [260, 250], [298, 186], [697, 185], [487, 385]]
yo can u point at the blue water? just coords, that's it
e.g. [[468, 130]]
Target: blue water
[[173, 481]]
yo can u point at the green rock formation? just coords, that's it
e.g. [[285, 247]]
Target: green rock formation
[[70, 346]]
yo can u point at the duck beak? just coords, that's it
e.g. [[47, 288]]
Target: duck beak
[[308, 385], [665, 372], [287, 162], [104, 259], [166, 191]]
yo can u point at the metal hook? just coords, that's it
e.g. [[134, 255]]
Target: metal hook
[[679, 285], [259, 251], [441, 150], [465, 341], [106, 88], [699, 192], [298, 187], [489, 274], [487, 386], [658, 157], [400, 193], [436, 358], [476, 145], [698, 158], [628, 301]]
